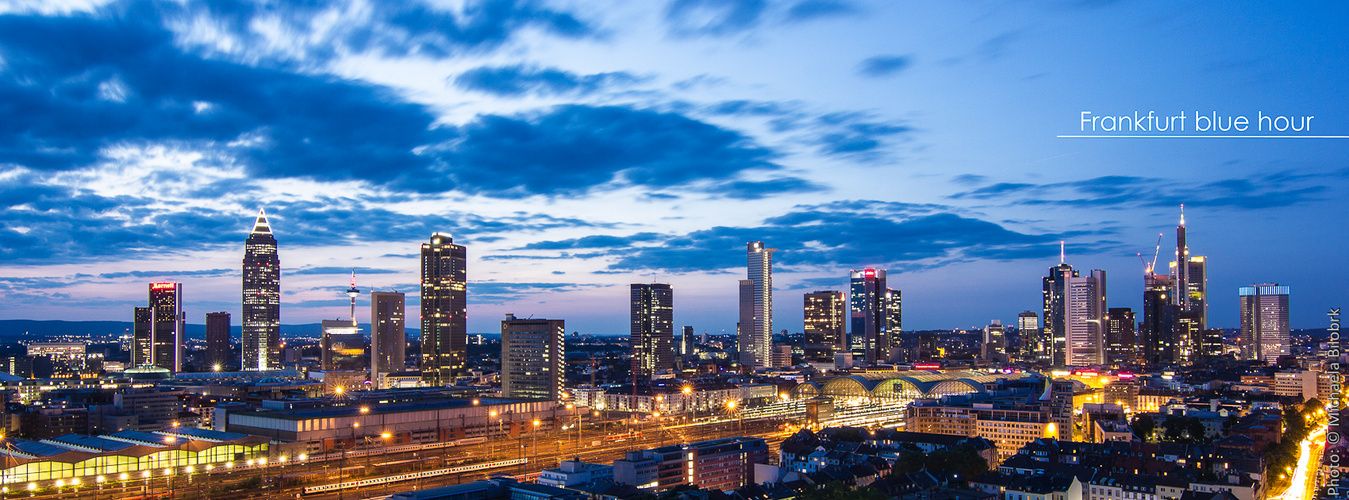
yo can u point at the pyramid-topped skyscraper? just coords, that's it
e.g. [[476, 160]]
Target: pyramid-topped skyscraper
[[261, 299]]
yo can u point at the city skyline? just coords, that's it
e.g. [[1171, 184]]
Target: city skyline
[[579, 149]]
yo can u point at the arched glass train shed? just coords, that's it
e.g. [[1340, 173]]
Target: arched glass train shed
[[902, 386]]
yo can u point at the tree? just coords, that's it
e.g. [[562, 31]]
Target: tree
[[840, 491], [1143, 426]]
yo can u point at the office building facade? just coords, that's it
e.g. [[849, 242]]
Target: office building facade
[[1085, 319], [533, 358], [1264, 321], [825, 327], [754, 332], [1052, 341], [261, 299], [168, 325], [1120, 337], [141, 332], [994, 347], [875, 314], [388, 335], [651, 332], [218, 340], [1028, 330], [1156, 332], [343, 347], [444, 310]]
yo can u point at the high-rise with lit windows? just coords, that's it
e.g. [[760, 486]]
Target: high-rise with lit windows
[[533, 358], [168, 325], [388, 337], [261, 299], [754, 332], [1264, 321], [651, 331], [825, 327], [875, 314], [444, 310]]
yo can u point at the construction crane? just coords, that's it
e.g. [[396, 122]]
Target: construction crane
[[1148, 268]]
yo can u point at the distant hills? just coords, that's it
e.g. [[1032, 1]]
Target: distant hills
[[12, 330]]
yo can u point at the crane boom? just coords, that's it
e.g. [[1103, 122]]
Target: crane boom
[[1155, 253]]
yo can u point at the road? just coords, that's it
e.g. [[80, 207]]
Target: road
[[1302, 486]]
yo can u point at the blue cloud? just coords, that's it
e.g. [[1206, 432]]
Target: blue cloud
[[281, 125], [330, 270], [521, 80], [687, 18], [815, 9], [593, 241], [169, 274], [393, 28], [854, 233], [1278, 189], [879, 66]]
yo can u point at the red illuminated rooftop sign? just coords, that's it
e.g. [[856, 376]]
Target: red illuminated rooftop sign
[[163, 286], [869, 273]]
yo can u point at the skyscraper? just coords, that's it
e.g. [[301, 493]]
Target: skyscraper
[[875, 314], [141, 333], [1189, 279], [1120, 339], [388, 338], [1053, 335], [686, 345], [755, 330], [825, 328], [533, 359], [261, 299], [1085, 317], [1028, 330], [1157, 330], [994, 347], [1264, 321], [218, 340], [444, 310], [651, 332], [169, 325]]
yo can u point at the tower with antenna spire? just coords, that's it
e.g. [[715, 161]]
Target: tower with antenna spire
[[1074, 314], [353, 292], [261, 298], [1189, 293]]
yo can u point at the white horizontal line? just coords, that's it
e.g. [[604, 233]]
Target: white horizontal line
[[1205, 136]]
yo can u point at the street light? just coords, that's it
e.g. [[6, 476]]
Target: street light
[[536, 439]]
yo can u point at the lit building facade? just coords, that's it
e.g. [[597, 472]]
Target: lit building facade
[[1264, 321], [141, 333], [994, 347], [343, 347], [1120, 337], [1156, 333], [824, 320], [388, 335], [533, 358], [261, 299], [1052, 348], [1028, 329], [1085, 317], [444, 310], [755, 330], [168, 326], [876, 314], [651, 332]]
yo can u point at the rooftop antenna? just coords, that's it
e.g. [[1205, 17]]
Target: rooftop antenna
[[1062, 257], [353, 292], [1182, 214]]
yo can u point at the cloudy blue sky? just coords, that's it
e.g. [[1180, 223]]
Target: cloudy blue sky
[[579, 146]]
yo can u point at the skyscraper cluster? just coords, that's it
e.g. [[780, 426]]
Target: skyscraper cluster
[[159, 329], [1079, 329]]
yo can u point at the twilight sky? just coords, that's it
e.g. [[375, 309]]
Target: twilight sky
[[579, 146]]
